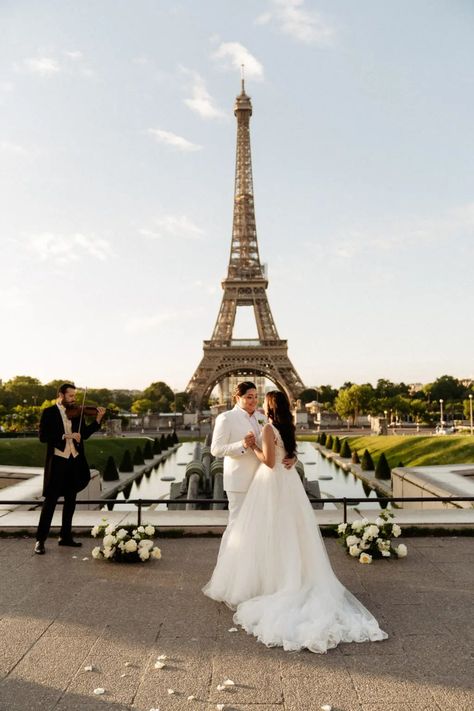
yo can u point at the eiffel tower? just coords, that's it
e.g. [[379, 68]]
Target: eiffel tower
[[245, 285]]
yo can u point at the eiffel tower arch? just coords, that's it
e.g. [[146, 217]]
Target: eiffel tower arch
[[245, 285]]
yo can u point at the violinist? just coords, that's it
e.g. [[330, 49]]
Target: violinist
[[66, 472]]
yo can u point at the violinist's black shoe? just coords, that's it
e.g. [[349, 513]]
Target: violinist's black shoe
[[69, 542], [39, 548]]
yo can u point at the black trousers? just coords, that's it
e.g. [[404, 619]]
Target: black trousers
[[63, 483]]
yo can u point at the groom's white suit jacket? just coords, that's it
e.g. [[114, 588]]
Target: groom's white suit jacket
[[240, 464]]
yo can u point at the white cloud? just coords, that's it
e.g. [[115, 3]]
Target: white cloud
[[234, 54], [136, 324], [294, 19], [44, 66], [201, 101], [13, 149], [75, 56], [173, 226], [171, 139], [65, 249]]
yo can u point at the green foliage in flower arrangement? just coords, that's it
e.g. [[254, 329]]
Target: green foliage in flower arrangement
[[382, 470], [148, 450], [336, 445], [367, 463], [126, 465], [367, 540], [125, 544], [138, 456], [156, 446], [110, 470], [323, 438], [329, 442], [355, 457], [345, 449]]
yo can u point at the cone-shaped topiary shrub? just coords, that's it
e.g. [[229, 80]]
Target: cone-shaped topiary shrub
[[336, 445], [110, 470], [138, 456], [322, 438], [148, 450], [175, 437], [163, 443], [382, 470], [345, 449], [329, 442], [400, 464], [156, 446], [126, 465], [367, 463], [355, 457]]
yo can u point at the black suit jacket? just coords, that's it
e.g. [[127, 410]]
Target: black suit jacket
[[51, 432]]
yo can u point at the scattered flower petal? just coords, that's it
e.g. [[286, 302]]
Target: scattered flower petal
[[162, 656], [220, 707], [159, 665], [221, 687], [170, 691], [191, 698], [326, 707], [229, 682], [233, 629], [89, 667], [85, 558], [122, 675], [99, 691], [128, 664]]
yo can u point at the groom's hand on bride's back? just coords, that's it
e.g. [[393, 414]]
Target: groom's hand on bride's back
[[289, 462]]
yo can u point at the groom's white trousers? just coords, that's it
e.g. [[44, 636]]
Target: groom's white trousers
[[236, 499]]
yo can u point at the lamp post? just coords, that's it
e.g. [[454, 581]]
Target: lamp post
[[441, 410], [470, 411]]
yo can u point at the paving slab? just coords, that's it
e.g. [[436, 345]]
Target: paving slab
[[63, 612]]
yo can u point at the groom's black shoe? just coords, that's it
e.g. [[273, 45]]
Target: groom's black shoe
[[69, 542], [39, 548]]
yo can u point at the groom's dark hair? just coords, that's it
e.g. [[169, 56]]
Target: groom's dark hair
[[241, 388]]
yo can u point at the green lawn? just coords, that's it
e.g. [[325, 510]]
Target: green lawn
[[415, 451], [31, 453]]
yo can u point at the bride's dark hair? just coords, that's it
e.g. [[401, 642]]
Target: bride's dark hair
[[279, 412]]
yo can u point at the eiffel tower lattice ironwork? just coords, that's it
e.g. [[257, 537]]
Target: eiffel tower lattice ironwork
[[245, 285]]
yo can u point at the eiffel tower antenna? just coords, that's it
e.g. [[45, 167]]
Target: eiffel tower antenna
[[244, 285]]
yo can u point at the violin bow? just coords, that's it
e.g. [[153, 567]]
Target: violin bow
[[82, 409]]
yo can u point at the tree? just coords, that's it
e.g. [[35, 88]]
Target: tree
[[382, 470], [22, 390], [445, 388], [345, 449], [126, 465], [354, 401], [308, 395], [367, 463], [160, 395], [327, 395], [110, 470], [141, 407], [181, 402]]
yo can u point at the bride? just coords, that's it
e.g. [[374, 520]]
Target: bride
[[273, 568]]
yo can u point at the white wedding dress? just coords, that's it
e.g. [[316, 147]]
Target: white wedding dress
[[273, 569]]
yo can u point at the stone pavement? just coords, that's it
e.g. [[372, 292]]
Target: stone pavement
[[60, 614]]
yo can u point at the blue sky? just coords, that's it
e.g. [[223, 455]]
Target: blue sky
[[117, 150]]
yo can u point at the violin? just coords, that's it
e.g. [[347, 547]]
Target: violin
[[75, 410]]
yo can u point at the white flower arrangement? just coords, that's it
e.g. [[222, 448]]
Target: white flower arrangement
[[125, 544], [366, 540]]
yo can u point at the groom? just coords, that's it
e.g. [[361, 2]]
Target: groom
[[235, 433]]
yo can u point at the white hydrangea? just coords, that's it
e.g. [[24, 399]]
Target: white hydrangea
[[146, 543], [365, 558], [352, 541], [342, 528], [144, 553], [131, 546], [156, 553], [396, 530], [96, 552], [109, 540], [122, 533], [401, 550], [150, 530], [95, 531], [109, 552], [354, 551], [110, 529]]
